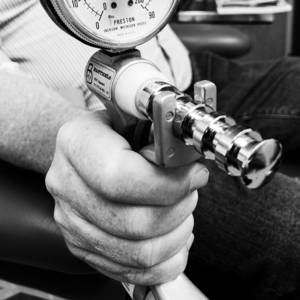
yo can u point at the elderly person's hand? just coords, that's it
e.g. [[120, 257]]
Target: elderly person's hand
[[126, 217]]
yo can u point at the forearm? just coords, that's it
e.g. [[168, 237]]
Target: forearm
[[30, 117]]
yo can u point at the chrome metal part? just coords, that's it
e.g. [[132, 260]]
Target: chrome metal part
[[260, 163], [184, 129], [167, 149], [146, 94], [205, 92], [237, 150]]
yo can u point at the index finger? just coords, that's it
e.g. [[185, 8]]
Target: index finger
[[105, 161], [133, 179]]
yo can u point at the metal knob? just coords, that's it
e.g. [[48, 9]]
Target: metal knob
[[261, 163]]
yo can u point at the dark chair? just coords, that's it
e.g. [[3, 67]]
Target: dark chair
[[226, 41], [32, 251]]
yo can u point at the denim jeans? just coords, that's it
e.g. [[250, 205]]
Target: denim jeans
[[254, 234]]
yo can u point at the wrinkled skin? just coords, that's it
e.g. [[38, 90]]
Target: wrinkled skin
[[126, 217]]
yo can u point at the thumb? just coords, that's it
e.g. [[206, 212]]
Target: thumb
[[106, 162], [140, 181]]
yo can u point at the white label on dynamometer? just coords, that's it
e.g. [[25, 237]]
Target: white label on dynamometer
[[100, 78]]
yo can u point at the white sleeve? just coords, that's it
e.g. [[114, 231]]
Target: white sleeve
[[171, 57], [179, 57]]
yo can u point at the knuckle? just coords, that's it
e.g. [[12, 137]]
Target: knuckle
[[58, 215], [57, 174], [63, 134], [52, 182], [66, 139]]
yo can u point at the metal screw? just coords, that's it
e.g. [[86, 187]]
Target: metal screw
[[169, 116]]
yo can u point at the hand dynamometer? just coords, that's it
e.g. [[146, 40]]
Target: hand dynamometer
[[165, 125]]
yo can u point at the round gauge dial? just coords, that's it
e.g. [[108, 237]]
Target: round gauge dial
[[118, 24]]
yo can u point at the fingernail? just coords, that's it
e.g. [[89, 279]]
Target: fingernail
[[199, 180]]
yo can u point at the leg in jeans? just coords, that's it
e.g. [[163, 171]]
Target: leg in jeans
[[254, 233]]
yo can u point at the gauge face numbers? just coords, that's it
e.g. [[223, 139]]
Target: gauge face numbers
[[119, 21]]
